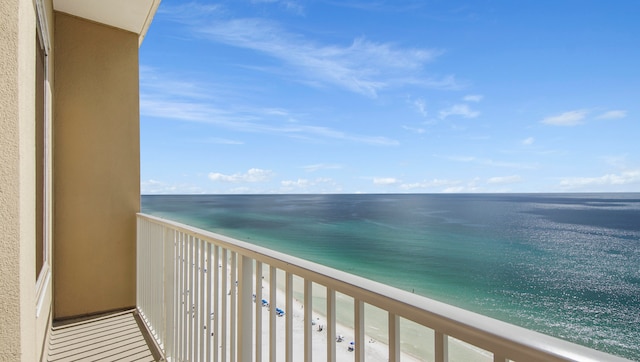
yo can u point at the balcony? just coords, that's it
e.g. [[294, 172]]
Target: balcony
[[207, 297]]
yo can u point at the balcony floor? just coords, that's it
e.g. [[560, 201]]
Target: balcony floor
[[114, 337]]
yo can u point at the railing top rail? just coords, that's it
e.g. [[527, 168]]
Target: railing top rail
[[514, 342]]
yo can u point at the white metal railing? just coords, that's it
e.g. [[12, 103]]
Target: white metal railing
[[200, 295]]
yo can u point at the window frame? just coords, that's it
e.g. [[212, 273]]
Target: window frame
[[43, 49]]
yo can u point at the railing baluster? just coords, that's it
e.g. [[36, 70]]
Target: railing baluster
[[331, 325], [359, 329], [234, 306], [308, 308], [394, 338], [441, 346], [289, 317], [182, 331], [189, 304], [499, 358], [216, 297], [223, 313], [201, 306], [195, 323], [245, 312], [258, 306], [209, 287], [272, 314], [168, 266]]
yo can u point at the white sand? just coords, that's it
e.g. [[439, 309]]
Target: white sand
[[416, 340], [374, 350]]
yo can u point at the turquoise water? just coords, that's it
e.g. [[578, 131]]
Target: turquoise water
[[567, 265]]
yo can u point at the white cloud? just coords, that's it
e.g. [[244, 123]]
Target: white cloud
[[415, 129], [252, 175], [152, 186], [429, 184], [385, 180], [322, 166], [462, 110], [222, 141], [184, 104], [504, 179], [363, 66], [616, 114], [421, 106], [493, 163], [318, 185], [571, 118], [294, 6], [528, 141], [297, 183], [624, 178], [473, 98]]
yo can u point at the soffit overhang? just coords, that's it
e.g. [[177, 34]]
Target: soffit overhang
[[131, 15]]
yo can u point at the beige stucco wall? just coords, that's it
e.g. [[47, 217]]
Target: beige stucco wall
[[17, 181], [96, 167]]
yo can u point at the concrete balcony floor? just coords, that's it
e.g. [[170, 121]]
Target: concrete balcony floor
[[113, 337]]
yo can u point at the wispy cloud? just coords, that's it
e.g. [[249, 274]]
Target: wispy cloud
[[303, 185], [152, 186], [473, 98], [185, 103], [501, 180], [414, 129], [431, 184], [421, 105], [322, 166], [528, 141], [623, 178], [571, 118], [385, 181], [461, 110], [252, 175], [294, 6], [615, 114], [221, 141], [492, 163], [362, 66]]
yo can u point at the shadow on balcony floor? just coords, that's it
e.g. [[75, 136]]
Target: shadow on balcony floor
[[113, 337]]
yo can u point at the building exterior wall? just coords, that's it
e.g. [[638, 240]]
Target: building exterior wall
[[17, 180], [96, 167]]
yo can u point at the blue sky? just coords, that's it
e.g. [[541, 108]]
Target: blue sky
[[402, 96]]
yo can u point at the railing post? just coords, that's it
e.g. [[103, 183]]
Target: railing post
[[245, 313]]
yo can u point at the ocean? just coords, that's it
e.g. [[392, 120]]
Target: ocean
[[567, 265]]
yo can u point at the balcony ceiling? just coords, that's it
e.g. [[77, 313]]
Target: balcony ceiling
[[132, 15]]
